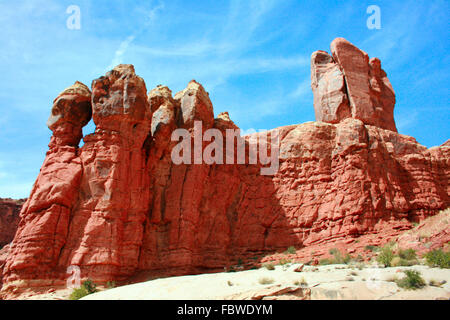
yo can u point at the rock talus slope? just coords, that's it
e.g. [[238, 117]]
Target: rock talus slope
[[118, 207]]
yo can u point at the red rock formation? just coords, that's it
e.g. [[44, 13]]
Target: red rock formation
[[432, 233], [348, 84], [9, 219], [120, 209]]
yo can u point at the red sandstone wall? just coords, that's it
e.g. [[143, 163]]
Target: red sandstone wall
[[118, 207]]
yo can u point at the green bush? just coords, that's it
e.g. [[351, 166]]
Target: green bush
[[371, 248], [86, 288], [408, 254], [438, 258], [385, 256], [338, 258], [412, 281], [283, 262], [324, 262], [291, 250], [78, 293], [400, 262]]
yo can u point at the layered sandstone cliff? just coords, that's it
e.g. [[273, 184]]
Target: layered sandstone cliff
[[119, 207], [9, 219]]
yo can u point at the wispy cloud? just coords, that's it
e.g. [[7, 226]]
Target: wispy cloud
[[303, 89], [124, 45], [118, 55], [405, 121]]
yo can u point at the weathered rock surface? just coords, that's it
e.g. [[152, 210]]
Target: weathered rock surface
[[9, 219], [432, 233], [120, 209], [349, 85]]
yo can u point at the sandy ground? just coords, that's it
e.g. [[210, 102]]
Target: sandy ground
[[325, 282]]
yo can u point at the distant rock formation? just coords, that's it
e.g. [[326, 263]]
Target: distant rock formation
[[9, 219], [349, 85], [119, 208]]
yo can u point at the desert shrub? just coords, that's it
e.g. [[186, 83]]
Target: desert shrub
[[86, 288], [408, 254], [412, 281], [385, 256], [266, 281], [90, 286], [240, 262], [284, 262], [371, 248], [269, 266], [78, 293], [337, 258], [400, 262], [324, 262], [334, 251], [291, 250], [111, 284], [438, 258], [392, 279], [301, 283]]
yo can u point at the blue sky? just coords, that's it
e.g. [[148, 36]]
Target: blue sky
[[252, 56]]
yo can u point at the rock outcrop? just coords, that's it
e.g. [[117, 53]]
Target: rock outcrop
[[9, 219], [119, 208], [349, 85]]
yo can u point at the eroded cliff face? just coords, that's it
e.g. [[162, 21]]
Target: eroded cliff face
[[9, 219], [119, 207], [347, 84]]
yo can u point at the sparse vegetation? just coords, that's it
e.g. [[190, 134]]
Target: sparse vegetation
[[88, 287], [291, 250], [412, 281], [284, 262], [337, 258], [232, 269], [399, 262], [269, 266], [438, 258], [408, 254], [385, 256], [371, 248], [110, 284], [392, 279], [301, 283], [265, 280]]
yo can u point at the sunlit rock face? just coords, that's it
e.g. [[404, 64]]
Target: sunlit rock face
[[118, 208], [347, 84]]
